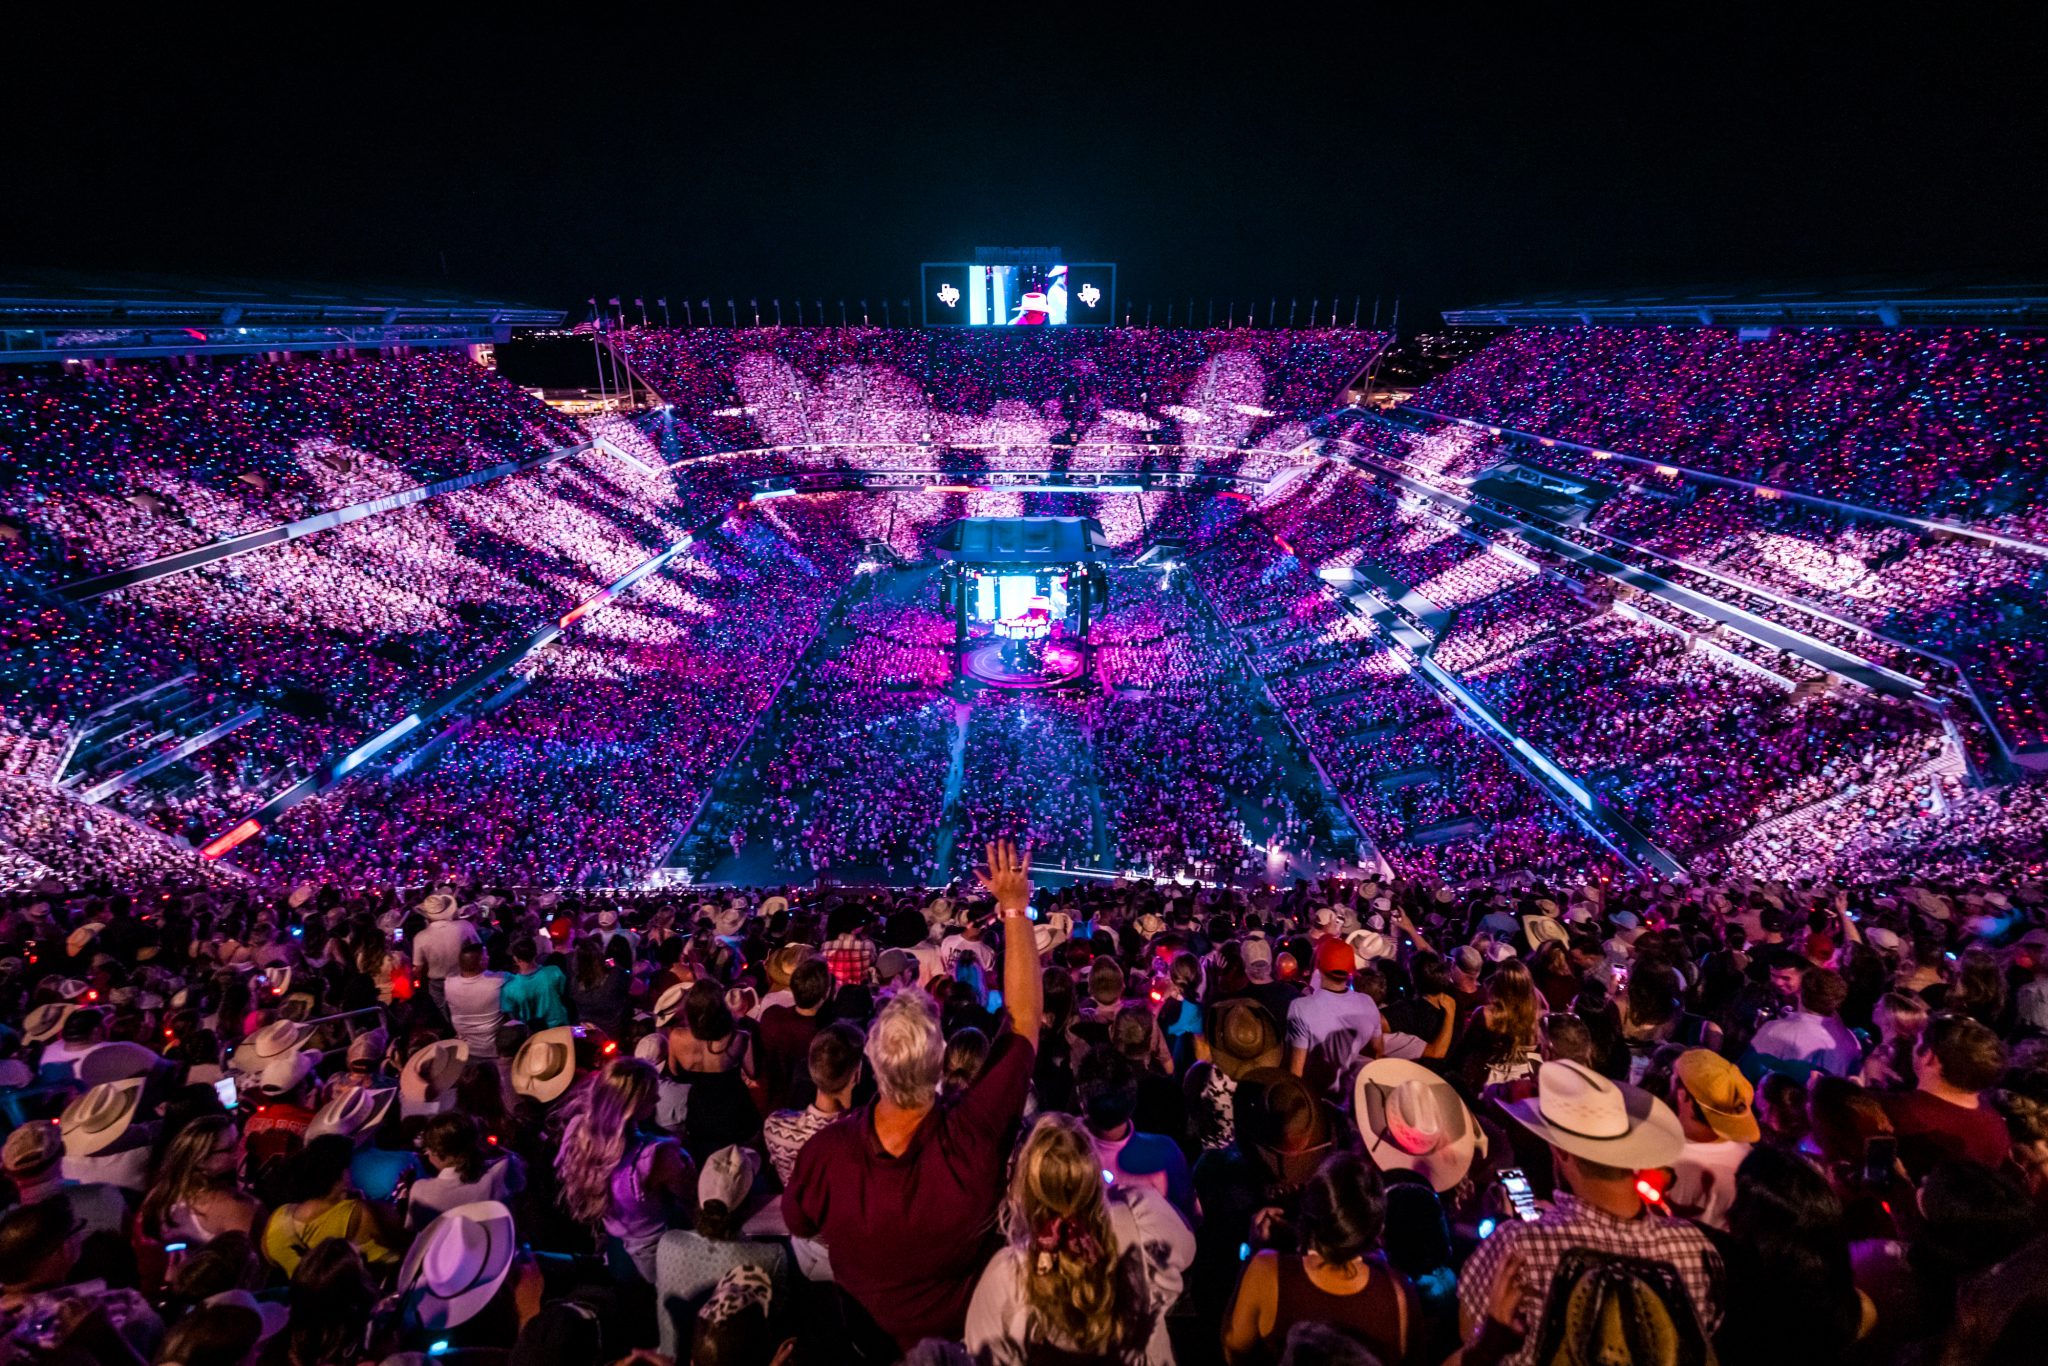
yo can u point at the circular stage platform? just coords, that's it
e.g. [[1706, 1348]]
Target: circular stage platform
[[985, 664]]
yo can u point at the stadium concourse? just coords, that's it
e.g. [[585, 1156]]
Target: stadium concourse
[[462, 865]]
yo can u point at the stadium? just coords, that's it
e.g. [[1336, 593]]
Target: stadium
[[1018, 818]]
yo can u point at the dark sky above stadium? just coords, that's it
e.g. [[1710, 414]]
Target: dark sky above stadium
[[1209, 153]]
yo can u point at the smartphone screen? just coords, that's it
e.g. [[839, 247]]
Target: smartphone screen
[[1521, 1196], [225, 1089]]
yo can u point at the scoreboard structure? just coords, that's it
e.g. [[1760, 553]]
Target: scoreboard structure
[[1018, 287]]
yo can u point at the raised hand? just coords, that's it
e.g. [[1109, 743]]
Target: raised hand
[[1008, 876]]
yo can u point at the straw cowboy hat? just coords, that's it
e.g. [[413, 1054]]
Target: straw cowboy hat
[[287, 1074], [546, 1064], [97, 1119], [457, 1264], [355, 1113], [670, 1004], [1542, 928], [439, 906], [780, 965], [266, 1046], [774, 905], [1577, 1110], [427, 1085], [1246, 1039], [46, 1021], [1411, 1120]]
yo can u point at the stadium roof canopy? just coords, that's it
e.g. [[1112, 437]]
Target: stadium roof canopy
[[52, 315], [1855, 303], [1021, 540]]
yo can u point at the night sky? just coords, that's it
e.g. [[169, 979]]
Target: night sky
[[1452, 162]]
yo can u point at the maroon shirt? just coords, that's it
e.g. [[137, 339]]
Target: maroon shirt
[[909, 1235], [1930, 1129], [784, 1065]]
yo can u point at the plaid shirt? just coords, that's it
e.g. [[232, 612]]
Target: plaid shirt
[[1572, 1223], [851, 959]]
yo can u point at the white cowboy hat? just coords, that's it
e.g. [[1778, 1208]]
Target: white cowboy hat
[[427, 1085], [1542, 928], [669, 1004], [439, 906], [275, 1040], [287, 1074], [458, 1263], [355, 1113], [71, 988], [46, 1021], [1583, 1113], [279, 978], [99, 1117], [1411, 1119], [546, 1064], [117, 1061]]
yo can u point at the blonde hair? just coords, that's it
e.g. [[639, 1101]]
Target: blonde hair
[[600, 1124], [1057, 1218], [183, 1173]]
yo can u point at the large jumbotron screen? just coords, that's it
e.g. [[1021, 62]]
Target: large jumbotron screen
[[1039, 294]]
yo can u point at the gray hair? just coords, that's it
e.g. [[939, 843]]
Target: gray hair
[[907, 1050]]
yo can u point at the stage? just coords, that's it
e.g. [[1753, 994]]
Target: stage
[[1061, 664]]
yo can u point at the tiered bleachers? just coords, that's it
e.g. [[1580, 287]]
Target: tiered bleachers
[[127, 462]]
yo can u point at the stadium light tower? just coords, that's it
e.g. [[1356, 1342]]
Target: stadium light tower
[[732, 313], [755, 304], [821, 311], [705, 304], [641, 304], [842, 312], [663, 301], [778, 312], [1272, 307], [799, 312], [888, 319], [906, 311], [863, 312]]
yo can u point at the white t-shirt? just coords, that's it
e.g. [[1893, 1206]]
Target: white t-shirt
[[445, 1189], [1144, 1225], [1703, 1180], [475, 1009], [1336, 1028], [437, 949], [956, 948]]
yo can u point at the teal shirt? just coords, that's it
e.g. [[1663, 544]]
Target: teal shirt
[[537, 998]]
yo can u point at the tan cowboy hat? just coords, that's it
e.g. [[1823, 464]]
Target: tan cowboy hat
[[781, 965], [1542, 928], [439, 906], [1583, 1113], [1411, 1120], [300, 895], [355, 1113], [457, 1264], [669, 1004], [266, 1046], [1246, 1038], [546, 1064], [98, 1118], [773, 905], [427, 1085], [46, 1021]]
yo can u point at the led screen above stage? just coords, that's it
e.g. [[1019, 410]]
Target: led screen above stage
[[1047, 294]]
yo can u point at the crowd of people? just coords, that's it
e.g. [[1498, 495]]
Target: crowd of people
[[1357, 1119], [107, 465], [1933, 423]]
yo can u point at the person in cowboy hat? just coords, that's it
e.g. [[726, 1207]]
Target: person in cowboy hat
[[437, 949], [1242, 1038], [1600, 1134], [546, 1064], [427, 1085], [104, 1138], [1412, 1120]]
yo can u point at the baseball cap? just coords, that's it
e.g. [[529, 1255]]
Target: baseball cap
[[1722, 1093], [32, 1148], [1258, 958], [1333, 955]]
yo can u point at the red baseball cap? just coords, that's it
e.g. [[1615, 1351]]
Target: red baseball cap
[[1334, 955]]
